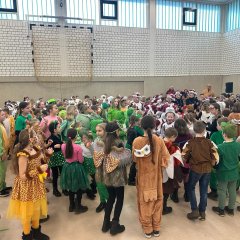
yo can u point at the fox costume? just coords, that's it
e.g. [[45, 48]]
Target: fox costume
[[149, 180]]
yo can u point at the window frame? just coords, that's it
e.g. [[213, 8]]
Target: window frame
[[193, 10], [10, 10], [115, 4]]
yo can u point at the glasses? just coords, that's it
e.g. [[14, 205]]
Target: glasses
[[212, 108]]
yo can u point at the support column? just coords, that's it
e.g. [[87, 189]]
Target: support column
[[152, 28], [61, 10]]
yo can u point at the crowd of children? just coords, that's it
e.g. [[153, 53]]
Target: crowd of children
[[86, 146]]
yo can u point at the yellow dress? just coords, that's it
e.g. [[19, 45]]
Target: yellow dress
[[29, 201]]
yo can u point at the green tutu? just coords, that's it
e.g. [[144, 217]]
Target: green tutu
[[57, 159], [89, 166], [74, 177]]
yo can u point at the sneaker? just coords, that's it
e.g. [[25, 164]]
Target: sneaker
[[175, 198], [219, 211], [229, 211], [193, 215], [100, 207], [43, 220], [56, 193], [116, 228], [213, 195], [202, 216], [81, 209], [156, 233], [238, 208], [8, 189], [90, 194], [166, 210], [106, 225], [65, 192], [71, 208], [148, 235], [4, 193]]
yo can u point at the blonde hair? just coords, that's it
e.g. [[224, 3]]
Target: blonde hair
[[70, 112], [102, 125]]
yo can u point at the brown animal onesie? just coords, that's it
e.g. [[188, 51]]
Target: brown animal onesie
[[149, 180]]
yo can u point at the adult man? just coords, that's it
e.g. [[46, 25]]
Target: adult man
[[208, 92]]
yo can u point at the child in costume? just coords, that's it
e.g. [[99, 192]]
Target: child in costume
[[169, 117], [57, 160], [201, 154], [227, 170], [23, 118], [72, 112], [88, 164], [172, 174], [110, 161], [150, 155], [53, 111], [217, 138], [183, 136], [4, 147], [133, 132], [28, 201], [73, 177], [102, 190], [115, 114]]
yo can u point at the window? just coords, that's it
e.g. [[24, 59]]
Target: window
[[109, 9], [31, 7], [189, 16], [130, 13], [8, 6], [169, 16], [88, 10], [40, 8], [233, 15]]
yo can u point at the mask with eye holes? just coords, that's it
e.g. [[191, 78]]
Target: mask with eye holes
[[143, 152]]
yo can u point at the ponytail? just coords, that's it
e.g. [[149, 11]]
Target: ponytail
[[69, 148], [148, 123], [71, 134], [149, 133]]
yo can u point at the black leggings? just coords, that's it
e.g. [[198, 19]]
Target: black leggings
[[56, 171], [114, 193], [132, 173]]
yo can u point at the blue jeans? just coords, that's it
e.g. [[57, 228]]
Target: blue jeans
[[203, 180]]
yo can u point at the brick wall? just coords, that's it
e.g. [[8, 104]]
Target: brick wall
[[231, 53], [116, 52], [62, 51], [121, 51], [15, 49], [180, 53]]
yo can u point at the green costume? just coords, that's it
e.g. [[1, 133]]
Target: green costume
[[228, 172], [21, 122], [119, 116], [217, 138]]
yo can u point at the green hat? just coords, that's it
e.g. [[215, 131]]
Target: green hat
[[105, 105], [51, 101], [62, 114]]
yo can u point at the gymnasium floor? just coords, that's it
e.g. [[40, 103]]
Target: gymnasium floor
[[64, 225]]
